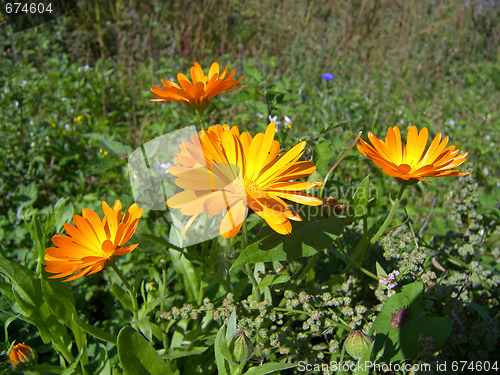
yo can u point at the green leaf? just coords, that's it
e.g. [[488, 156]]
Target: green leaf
[[60, 300], [269, 368], [306, 239], [149, 329], [400, 335], [99, 165], [323, 155], [231, 326], [269, 280], [248, 93], [122, 296], [480, 310], [71, 368], [222, 354], [360, 198], [94, 331], [23, 282], [137, 355], [185, 352], [252, 72], [380, 271], [63, 213]]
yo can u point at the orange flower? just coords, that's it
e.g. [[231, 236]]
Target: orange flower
[[91, 241], [21, 355], [196, 96], [413, 161], [224, 170]]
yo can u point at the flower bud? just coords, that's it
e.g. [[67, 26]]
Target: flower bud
[[22, 357], [151, 286], [241, 347], [357, 344]]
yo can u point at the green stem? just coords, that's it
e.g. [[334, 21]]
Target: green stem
[[200, 119], [337, 163], [304, 272], [247, 268], [130, 291], [361, 268], [388, 219]]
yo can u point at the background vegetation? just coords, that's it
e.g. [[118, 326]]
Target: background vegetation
[[74, 99]]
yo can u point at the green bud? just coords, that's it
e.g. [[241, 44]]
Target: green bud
[[151, 286], [241, 347], [357, 344]]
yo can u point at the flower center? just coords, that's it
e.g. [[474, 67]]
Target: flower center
[[251, 185]]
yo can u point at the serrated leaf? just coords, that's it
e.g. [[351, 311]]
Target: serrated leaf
[[137, 355], [306, 239]]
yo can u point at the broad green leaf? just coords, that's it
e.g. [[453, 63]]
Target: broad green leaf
[[306, 239], [94, 331], [269, 368], [400, 336], [60, 300], [185, 352], [137, 355]]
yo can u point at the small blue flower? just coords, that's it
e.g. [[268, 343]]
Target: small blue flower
[[304, 97], [327, 77]]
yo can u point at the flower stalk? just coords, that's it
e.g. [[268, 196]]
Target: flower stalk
[[130, 290]]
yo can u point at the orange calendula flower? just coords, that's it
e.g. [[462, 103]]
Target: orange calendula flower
[[225, 171], [413, 161], [196, 95], [21, 355], [91, 241]]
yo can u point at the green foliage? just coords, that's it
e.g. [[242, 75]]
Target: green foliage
[[137, 356], [74, 99]]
